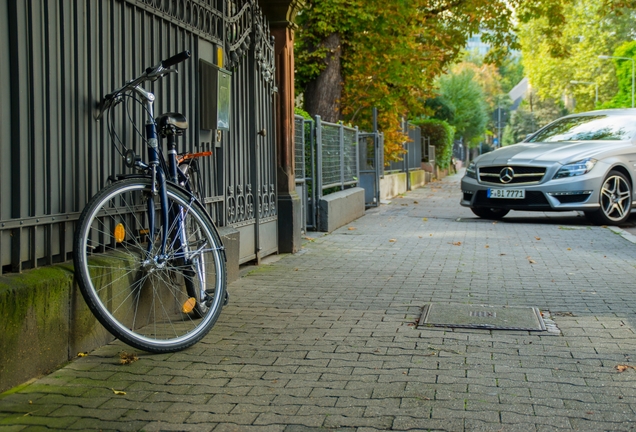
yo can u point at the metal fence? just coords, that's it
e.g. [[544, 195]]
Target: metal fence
[[412, 158], [63, 56], [336, 156]]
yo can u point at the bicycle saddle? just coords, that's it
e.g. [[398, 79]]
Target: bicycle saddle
[[172, 124]]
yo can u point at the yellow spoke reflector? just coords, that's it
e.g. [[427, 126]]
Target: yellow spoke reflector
[[189, 305], [120, 233]]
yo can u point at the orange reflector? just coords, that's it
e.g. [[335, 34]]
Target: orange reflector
[[189, 305], [120, 233]]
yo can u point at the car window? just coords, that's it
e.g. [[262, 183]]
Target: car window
[[587, 128]]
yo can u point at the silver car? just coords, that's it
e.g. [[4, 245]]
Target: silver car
[[584, 162]]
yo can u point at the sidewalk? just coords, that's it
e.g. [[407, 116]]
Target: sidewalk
[[328, 339]]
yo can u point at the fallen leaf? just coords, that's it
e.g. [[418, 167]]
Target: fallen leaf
[[118, 392], [82, 354], [392, 240], [425, 219], [457, 243], [415, 202], [532, 261], [623, 368], [351, 228], [486, 246], [569, 249], [127, 358], [538, 238], [501, 254]]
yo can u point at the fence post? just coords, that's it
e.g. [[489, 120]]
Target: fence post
[[357, 141], [405, 129], [318, 160], [342, 155]]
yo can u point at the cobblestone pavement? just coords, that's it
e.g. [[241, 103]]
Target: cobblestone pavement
[[327, 339]]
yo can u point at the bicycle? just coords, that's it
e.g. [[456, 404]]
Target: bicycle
[[148, 258]]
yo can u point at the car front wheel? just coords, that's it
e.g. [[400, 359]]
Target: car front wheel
[[489, 213], [615, 199]]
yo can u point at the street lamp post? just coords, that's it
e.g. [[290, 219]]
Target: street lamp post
[[605, 57], [588, 83]]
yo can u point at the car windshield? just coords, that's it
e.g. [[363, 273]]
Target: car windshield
[[587, 128]]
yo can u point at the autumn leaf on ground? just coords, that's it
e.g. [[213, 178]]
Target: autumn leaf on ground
[[82, 354], [486, 246], [425, 219], [127, 358], [118, 392], [569, 249], [351, 228], [392, 240], [530, 260], [457, 243], [415, 202], [538, 238], [623, 368]]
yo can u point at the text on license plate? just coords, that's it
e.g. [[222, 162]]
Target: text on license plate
[[507, 193]]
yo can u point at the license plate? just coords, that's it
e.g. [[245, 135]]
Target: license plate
[[507, 193]]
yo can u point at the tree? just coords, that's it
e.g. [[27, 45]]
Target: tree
[[354, 55], [471, 110], [586, 29], [623, 98]]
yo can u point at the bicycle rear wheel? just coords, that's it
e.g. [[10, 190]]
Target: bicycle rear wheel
[[157, 303]]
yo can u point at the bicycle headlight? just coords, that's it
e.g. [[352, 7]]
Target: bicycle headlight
[[576, 168]]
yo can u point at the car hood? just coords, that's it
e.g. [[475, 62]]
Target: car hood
[[547, 153]]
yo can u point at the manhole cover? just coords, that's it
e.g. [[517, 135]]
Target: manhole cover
[[482, 317]]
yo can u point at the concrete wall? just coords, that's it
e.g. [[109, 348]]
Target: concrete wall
[[44, 321], [340, 208], [393, 185]]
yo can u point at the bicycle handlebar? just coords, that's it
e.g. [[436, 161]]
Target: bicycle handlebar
[[177, 58], [150, 74]]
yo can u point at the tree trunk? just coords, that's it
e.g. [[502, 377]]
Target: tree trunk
[[322, 95]]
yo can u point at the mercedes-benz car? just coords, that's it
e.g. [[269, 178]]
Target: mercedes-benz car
[[583, 162]]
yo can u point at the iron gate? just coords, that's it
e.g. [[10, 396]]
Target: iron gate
[[250, 160], [63, 56]]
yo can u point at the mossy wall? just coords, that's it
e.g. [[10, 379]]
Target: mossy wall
[[35, 323]]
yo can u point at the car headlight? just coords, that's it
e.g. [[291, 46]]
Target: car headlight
[[576, 168], [471, 170]]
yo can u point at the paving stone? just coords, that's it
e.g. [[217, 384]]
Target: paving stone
[[326, 339]]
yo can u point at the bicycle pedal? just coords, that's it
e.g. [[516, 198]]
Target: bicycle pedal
[[188, 305], [227, 298]]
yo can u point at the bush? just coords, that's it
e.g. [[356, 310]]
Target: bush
[[441, 135]]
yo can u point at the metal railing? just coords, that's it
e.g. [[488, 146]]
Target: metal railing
[[336, 156]]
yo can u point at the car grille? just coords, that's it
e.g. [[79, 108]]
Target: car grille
[[532, 199], [522, 174]]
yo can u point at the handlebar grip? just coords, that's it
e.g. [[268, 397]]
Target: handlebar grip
[[177, 58]]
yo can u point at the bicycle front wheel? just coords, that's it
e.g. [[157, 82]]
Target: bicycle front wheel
[[154, 300]]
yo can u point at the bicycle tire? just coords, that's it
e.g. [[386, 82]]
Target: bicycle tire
[[138, 296]]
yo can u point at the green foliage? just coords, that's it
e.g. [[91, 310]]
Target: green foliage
[[562, 43], [471, 111], [512, 72], [442, 137], [301, 112], [530, 117], [392, 51], [623, 98], [441, 108]]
